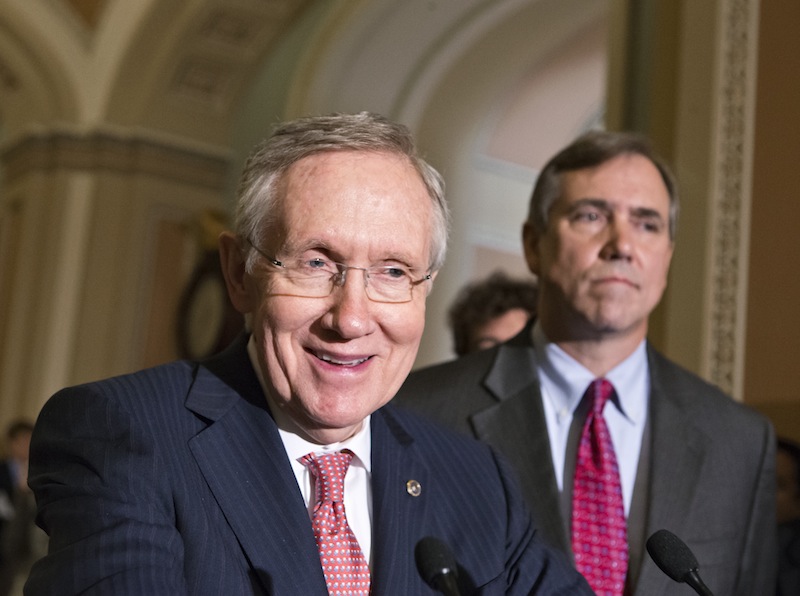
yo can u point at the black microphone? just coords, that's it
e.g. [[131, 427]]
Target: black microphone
[[676, 560], [437, 565]]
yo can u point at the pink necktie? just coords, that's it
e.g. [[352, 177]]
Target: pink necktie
[[599, 531], [346, 570]]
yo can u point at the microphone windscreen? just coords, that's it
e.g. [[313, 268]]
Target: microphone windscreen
[[671, 554], [433, 559]]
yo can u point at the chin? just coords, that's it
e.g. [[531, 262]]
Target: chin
[[342, 412]]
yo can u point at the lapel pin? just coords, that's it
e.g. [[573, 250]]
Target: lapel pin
[[413, 488]]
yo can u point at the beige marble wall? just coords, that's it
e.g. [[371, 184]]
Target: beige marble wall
[[90, 224], [772, 374]]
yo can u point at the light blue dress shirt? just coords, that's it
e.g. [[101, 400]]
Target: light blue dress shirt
[[564, 381]]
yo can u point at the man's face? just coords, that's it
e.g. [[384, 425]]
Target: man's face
[[602, 263], [20, 446], [329, 362]]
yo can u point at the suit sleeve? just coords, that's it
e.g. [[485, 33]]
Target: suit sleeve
[[533, 567], [102, 495], [758, 573]]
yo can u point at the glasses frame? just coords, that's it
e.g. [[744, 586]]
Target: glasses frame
[[339, 278]]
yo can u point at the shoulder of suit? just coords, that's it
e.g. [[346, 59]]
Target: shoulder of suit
[[145, 385], [670, 380], [469, 365], [418, 427]]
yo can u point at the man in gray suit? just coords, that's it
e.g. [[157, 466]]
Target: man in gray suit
[[599, 237]]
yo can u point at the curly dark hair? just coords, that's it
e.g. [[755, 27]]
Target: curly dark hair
[[479, 302]]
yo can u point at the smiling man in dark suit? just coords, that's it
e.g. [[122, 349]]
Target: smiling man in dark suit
[[680, 454], [238, 475]]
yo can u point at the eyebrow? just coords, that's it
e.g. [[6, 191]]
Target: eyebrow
[[294, 249], [588, 201], [646, 213], [606, 205]]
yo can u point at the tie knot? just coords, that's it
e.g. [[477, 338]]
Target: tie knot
[[329, 471], [600, 390]]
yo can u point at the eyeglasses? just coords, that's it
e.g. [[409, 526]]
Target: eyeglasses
[[316, 278]]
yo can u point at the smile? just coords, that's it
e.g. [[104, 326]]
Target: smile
[[339, 362]]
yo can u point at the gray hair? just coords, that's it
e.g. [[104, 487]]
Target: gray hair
[[257, 208], [589, 150]]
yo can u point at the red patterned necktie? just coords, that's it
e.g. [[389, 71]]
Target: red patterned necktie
[[599, 531], [346, 569]]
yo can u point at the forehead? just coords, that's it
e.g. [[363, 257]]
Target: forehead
[[356, 200], [629, 180]]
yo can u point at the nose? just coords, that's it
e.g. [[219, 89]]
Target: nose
[[350, 313], [619, 241]]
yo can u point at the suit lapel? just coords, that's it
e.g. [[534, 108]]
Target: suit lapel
[[398, 516], [516, 427], [677, 453], [244, 463]]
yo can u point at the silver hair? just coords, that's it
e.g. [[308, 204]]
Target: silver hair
[[258, 212]]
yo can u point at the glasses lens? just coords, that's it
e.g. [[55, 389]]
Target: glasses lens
[[317, 277], [305, 284], [389, 284]]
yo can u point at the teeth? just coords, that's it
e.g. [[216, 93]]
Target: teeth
[[342, 362]]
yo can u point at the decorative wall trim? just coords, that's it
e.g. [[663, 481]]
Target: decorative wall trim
[[731, 192], [112, 150]]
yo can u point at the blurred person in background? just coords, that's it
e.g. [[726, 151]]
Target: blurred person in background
[[21, 541], [490, 311]]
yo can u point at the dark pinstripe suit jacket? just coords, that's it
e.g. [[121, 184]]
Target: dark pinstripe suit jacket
[[711, 470], [174, 481]]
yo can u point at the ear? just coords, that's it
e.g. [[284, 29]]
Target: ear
[[530, 244], [237, 280]]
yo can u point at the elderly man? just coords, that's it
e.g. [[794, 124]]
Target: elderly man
[[278, 467], [611, 440]]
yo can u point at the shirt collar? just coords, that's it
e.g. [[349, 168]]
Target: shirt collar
[[570, 378]]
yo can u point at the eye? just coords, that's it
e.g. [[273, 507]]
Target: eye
[[395, 272], [391, 273], [316, 265], [587, 215], [653, 225]]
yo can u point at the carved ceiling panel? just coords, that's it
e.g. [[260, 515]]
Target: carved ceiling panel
[[188, 64], [227, 40]]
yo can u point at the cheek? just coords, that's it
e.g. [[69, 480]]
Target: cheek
[[400, 328], [402, 334], [564, 262], [280, 319], [660, 272], [404, 326]]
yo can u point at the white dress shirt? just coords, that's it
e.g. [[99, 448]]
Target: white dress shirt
[[563, 382], [357, 481]]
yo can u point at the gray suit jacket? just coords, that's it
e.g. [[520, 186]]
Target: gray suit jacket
[[709, 477]]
